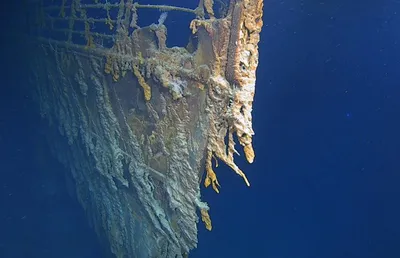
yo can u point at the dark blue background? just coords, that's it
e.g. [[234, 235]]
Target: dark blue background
[[325, 182]]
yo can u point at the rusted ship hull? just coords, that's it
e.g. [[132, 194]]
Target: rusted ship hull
[[137, 123]]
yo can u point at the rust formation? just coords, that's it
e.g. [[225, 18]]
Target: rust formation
[[135, 121]]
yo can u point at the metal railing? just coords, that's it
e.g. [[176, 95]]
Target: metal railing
[[95, 24]]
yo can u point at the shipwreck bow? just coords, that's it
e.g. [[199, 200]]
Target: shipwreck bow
[[137, 122]]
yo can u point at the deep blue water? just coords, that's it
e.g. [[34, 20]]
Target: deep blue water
[[325, 182]]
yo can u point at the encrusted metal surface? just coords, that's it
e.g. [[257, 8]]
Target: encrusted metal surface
[[139, 121]]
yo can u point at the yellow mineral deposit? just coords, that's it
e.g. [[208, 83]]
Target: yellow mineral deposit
[[142, 83], [205, 217], [237, 82]]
